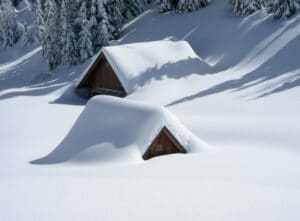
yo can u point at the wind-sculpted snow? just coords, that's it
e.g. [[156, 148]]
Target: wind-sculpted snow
[[120, 123]]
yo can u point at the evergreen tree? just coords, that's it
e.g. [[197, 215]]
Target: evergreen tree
[[47, 5], [72, 30], [132, 8], [11, 29], [40, 21], [105, 29], [52, 41], [191, 5], [69, 43], [93, 20], [166, 5], [2, 37], [283, 8], [26, 38], [85, 36], [115, 17], [246, 7]]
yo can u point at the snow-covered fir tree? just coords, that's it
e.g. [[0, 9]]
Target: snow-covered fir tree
[[105, 29], [166, 5], [115, 16], [246, 7], [1, 27], [40, 23], [26, 38], [191, 5], [47, 5], [82, 26], [102, 14], [52, 36], [182, 5], [69, 42], [133, 8], [11, 29], [283, 8], [85, 36], [93, 19]]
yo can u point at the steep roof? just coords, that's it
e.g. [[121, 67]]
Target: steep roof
[[137, 62], [121, 123]]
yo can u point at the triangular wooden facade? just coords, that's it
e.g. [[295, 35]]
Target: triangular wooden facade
[[164, 143], [101, 79]]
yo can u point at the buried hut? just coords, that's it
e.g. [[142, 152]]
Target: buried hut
[[120, 127], [118, 70]]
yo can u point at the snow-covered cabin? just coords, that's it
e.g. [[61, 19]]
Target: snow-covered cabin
[[125, 127], [118, 70]]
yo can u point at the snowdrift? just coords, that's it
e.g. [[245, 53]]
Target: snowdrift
[[120, 124], [137, 63]]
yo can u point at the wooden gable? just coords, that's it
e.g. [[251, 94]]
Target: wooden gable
[[101, 79], [164, 143]]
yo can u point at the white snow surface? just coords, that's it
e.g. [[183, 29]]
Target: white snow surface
[[121, 123], [246, 106], [136, 62]]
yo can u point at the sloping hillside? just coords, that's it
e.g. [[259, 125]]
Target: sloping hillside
[[245, 106]]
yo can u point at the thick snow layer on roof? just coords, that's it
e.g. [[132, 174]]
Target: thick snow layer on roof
[[121, 123], [137, 63]]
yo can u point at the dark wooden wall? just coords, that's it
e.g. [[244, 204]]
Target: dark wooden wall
[[164, 143], [102, 76]]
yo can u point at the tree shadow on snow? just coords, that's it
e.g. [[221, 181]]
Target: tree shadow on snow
[[28, 75], [272, 65], [269, 47]]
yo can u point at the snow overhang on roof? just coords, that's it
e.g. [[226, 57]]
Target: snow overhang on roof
[[135, 63]]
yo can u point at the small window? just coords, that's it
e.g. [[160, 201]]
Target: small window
[[159, 148]]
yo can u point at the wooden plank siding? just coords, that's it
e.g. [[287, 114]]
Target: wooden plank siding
[[164, 143], [102, 76]]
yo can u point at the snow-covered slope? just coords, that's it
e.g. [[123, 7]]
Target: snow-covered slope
[[247, 106]]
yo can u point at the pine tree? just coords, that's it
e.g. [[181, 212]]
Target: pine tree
[[2, 36], [52, 41], [93, 20], [104, 32], [191, 5], [85, 36], [115, 17], [11, 29], [166, 5], [132, 8], [26, 36], [69, 43], [246, 7], [47, 6], [102, 14], [40, 23], [283, 8]]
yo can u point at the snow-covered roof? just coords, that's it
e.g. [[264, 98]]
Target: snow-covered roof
[[137, 62], [121, 123]]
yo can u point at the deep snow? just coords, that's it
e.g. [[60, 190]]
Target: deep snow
[[247, 108], [125, 128]]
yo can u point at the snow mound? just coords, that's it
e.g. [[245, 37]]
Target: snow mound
[[136, 63], [120, 123]]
